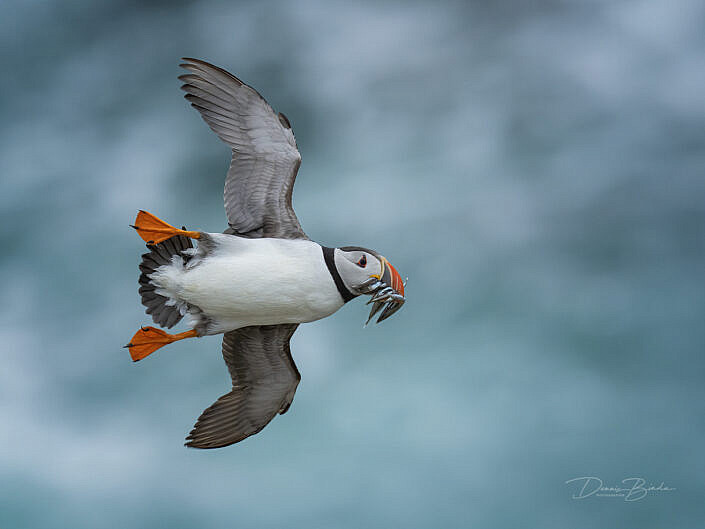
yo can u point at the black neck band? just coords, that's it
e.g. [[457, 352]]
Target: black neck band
[[328, 257]]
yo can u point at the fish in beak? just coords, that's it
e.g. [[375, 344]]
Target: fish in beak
[[387, 291]]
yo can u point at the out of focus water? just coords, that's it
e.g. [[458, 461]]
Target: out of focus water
[[536, 169]]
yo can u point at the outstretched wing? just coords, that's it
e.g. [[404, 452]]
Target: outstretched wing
[[265, 158], [264, 382]]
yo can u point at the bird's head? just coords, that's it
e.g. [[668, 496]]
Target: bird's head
[[366, 272]]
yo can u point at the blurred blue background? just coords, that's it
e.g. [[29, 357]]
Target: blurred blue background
[[535, 168]]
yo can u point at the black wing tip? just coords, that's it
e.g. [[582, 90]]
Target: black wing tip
[[195, 445], [191, 62], [196, 106], [284, 120], [191, 442]]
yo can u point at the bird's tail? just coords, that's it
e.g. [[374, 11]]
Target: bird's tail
[[165, 311]]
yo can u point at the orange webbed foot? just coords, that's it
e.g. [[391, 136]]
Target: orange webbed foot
[[154, 230], [149, 339]]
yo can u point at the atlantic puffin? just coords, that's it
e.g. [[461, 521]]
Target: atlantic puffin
[[259, 279]]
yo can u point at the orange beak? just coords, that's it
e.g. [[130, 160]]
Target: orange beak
[[392, 277]]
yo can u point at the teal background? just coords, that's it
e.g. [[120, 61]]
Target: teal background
[[535, 168]]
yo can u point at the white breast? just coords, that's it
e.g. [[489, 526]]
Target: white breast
[[255, 282]]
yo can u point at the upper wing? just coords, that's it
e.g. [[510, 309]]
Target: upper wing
[[265, 158], [264, 382]]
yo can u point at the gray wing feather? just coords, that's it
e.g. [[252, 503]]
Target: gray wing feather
[[265, 158], [264, 382]]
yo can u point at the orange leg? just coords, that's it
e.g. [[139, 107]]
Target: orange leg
[[149, 339], [154, 230]]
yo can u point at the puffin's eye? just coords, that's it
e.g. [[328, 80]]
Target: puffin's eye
[[362, 263]]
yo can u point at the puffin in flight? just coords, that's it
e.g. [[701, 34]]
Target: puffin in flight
[[262, 277]]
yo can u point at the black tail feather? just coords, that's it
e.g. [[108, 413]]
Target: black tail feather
[[158, 255]]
